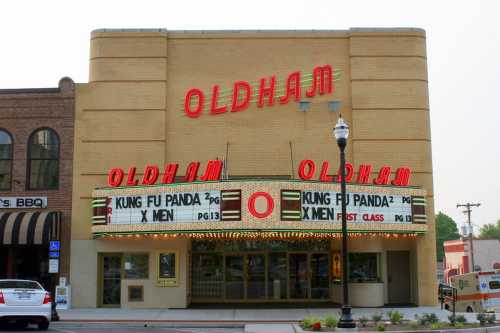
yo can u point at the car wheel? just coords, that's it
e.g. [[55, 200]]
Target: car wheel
[[43, 326], [469, 309]]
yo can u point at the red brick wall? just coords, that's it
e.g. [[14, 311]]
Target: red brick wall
[[22, 111], [454, 248]]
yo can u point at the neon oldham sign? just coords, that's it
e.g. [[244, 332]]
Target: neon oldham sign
[[265, 92], [153, 175]]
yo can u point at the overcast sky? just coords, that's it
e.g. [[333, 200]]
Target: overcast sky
[[42, 41]]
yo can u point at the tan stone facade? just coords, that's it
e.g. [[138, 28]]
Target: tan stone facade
[[131, 114]]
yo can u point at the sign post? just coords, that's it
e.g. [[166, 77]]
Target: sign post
[[54, 254]]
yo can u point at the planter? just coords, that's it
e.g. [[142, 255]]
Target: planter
[[405, 329]]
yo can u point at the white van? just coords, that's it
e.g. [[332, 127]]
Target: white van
[[476, 292]]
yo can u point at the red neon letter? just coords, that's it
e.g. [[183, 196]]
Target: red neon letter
[[131, 181], [192, 171], [251, 204], [364, 174], [169, 173], [349, 172], [150, 175], [214, 109], [187, 103], [236, 96], [383, 176], [324, 173], [213, 170], [302, 169], [402, 177], [269, 92], [292, 88], [115, 177], [325, 77]]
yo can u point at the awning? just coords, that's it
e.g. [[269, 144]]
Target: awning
[[28, 228]]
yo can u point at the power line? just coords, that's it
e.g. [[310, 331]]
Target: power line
[[467, 211]]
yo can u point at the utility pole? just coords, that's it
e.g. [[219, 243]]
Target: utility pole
[[467, 211]]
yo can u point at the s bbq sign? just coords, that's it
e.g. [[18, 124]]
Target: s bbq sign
[[23, 202]]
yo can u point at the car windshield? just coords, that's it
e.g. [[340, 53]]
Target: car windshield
[[12, 284]]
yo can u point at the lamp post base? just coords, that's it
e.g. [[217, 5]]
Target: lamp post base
[[346, 320]]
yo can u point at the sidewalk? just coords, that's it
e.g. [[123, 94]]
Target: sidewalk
[[232, 315]]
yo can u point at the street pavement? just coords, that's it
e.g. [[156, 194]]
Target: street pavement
[[123, 328]]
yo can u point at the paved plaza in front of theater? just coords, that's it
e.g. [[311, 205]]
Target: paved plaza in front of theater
[[233, 315], [225, 320]]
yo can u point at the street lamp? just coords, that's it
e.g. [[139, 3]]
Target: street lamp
[[341, 132]]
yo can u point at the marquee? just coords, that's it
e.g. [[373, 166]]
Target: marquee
[[256, 205]]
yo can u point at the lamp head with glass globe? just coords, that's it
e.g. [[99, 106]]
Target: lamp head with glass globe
[[341, 132]]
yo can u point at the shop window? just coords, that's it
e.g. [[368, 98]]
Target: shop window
[[43, 160], [255, 245], [364, 267], [203, 245], [5, 160], [135, 293], [168, 269], [136, 266]]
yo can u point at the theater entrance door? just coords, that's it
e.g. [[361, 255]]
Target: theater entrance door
[[260, 276]]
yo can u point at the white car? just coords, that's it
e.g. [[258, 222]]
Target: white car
[[23, 302]]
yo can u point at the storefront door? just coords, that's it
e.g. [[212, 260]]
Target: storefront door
[[398, 274], [299, 275], [110, 280], [320, 279], [234, 282], [260, 272], [277, 286], [256, 276]]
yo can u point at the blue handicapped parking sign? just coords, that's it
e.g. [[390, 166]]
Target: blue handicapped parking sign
[[54, 245]]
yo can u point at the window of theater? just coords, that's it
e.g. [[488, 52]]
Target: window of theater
[[43, 160], [5, 160], [364, 267], [135, 266]]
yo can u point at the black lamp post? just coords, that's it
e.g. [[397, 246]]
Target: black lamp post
[[341, 132]]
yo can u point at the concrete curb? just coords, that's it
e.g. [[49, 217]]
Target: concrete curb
[[146, 323], [194, 322]]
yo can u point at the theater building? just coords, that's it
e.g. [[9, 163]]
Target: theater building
[[206, 169], [36, 156]]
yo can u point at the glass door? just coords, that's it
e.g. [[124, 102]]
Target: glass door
[[320, 288], [277, 276], [207, 276], [234, 277], [111, 268], [298, 274], [256, 276]]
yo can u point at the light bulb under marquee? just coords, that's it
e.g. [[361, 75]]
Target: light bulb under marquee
[[260, 235]]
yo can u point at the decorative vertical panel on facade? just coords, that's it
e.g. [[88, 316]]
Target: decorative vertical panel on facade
[[230, 207], [418, 204], [100, 210], [291, 205]]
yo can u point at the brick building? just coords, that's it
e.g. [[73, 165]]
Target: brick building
[[458, 258], [36, 161]]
